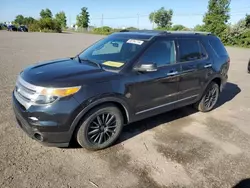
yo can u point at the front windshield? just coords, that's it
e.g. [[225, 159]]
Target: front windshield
[[113, 52]]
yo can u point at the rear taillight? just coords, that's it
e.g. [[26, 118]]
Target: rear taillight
[[228, 60]]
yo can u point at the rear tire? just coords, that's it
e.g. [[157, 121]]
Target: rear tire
[[100, 128], [209, 98]]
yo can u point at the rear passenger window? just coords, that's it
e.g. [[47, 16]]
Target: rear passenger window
[[191, 50], [218, 47]]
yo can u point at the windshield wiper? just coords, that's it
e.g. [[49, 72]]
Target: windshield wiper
[[89, 61]]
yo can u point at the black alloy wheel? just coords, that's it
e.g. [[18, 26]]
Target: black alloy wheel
[[100, 128], [209, 99]]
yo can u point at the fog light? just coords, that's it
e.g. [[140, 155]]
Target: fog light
[[33, 118], [38, 136]]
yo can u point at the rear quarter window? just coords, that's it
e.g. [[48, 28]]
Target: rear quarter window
[[218, 47], [191, 50]]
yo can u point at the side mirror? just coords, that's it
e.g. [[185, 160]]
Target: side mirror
[[115, 44], [149, 67]]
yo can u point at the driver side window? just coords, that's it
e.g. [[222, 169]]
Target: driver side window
[[161, 52]]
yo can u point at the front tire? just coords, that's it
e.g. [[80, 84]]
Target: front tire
[[100, 128], [209, 98]]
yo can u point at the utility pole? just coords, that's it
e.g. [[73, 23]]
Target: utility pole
[[69, 21], [154, 20], [102, 21], [138, 21]]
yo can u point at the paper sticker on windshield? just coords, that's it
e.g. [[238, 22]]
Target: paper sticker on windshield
[[113, 64], [133, 41]]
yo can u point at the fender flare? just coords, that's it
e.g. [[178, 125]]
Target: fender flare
[[209, 81], [96, 103]]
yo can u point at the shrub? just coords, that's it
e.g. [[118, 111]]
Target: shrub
[[163, 28], [238, 35], [244, 41], [178, 28], [131, 28], [103, 30], [34, 27], [199, 28], [46, 25]]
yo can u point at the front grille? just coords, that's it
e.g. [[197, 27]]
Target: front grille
[[30, 91], [25, 92]]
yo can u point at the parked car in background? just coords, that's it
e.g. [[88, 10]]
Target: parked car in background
[[3, 26], [123, 78], [23, 28], [12, 28]]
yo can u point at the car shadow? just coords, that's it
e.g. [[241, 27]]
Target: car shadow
[[228, 93], [243, 184], [133, 129], [139, 127]]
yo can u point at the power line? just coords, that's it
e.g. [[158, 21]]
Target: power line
[[184, 14], [138, 21]]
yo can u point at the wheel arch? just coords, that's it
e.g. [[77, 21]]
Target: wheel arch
[[119, 103], [217, 79]]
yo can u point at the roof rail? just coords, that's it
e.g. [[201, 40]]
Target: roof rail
[[168, 32], [190, 32], [142, 31], [203, 33]]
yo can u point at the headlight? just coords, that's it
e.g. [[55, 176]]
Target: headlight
[[49, 95]]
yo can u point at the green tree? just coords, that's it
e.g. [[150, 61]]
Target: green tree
[[105, 30], [178, 28], [217, 16], [61, 19], [49, 25], [29, 20], [199, 28], [131, 28], [19, 20], [238, 34], [82, 20], [247, 19], [46, 13], [162, 17]]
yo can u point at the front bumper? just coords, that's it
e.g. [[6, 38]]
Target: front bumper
[[52, 133]]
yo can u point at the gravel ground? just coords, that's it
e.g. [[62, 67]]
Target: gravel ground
[[182, 148]]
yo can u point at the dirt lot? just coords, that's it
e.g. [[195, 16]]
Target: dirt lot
[[182, 148]]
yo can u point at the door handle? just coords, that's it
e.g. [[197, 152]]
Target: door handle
[[172, 73], [208, 65]]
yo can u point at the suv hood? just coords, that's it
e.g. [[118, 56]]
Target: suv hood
[[63, 73]]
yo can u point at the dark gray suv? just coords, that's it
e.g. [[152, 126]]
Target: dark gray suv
[[123, 78]]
